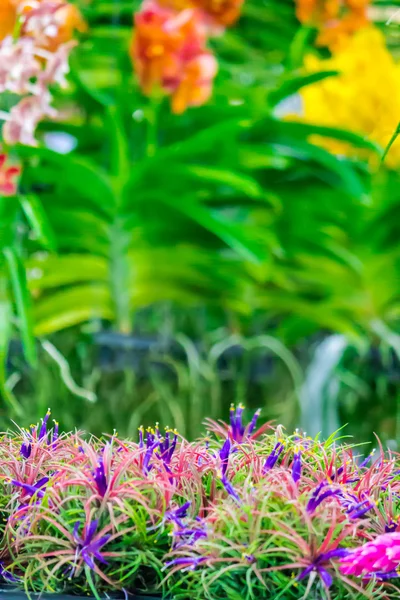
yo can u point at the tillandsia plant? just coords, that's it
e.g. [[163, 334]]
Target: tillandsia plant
[[242, 513]]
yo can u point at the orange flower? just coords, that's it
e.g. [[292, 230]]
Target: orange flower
[[335, 35], [170, 56], [222, 12], [8, 17], [337, 20], [216, 12], [195, 87], [51, 23], [317, 12]]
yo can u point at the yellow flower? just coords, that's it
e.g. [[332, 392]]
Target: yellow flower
[[364, 98]]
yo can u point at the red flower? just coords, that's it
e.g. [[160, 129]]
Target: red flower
[[8, 185]]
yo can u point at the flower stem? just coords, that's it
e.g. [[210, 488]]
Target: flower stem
[[152, 127], [391, 142], [90, 581]]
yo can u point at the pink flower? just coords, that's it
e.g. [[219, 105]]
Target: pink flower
[[23, 119], [380, 557], [19, 66], [57, 66]]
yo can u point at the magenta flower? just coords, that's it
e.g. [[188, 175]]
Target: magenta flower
[[378, 557]]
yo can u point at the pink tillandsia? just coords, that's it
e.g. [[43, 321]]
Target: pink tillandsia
[[378, 558]]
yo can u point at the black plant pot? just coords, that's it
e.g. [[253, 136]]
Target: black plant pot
[[10, 594]]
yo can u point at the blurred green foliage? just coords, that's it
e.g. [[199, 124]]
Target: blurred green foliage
[[168, 266]]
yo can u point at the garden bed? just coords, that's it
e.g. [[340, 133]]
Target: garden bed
[[243, 512]]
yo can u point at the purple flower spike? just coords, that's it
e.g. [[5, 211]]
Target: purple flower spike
[[26, 450], [319, 563], [88, 548], [100, 478], [238, 431], [147, 457], [321, 493], [190, 562], [231, 490], [141, 442], [37, 488], [7, 576], [253, 422], [55, 435], [366, 461], [356, 510], [296, 467], [224, 456], [43, 429], [232, 419], [178, 514], [239, 422], [167, 446], [273, 457]]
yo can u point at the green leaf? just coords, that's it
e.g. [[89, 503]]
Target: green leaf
[[22, 302], [54, 271], [38, 221], [72, 306], [241, 183], [5, 336], [233, 234], [292, 86], [79, 172], [303, 130]]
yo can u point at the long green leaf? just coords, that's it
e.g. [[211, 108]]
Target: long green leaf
[[38, 221], [22, 302], [293, 85]]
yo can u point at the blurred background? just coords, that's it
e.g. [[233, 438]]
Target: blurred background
[[173, 241]]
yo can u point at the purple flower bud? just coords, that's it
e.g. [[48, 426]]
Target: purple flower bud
[[43, 429], [26, 450], [253, 422], [321, 493], [190, 562], [230, 489], [296, 467], [100, 479], [55, 435], [224, 456], [273, 457]]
